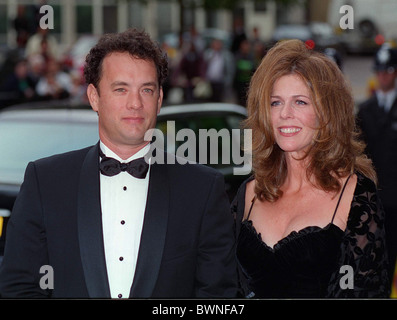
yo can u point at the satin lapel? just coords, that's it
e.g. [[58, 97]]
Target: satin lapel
[[153, 233], [90, 228]]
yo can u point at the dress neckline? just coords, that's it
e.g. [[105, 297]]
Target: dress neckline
[[294, 234]]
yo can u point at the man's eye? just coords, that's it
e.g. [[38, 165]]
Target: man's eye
[[120, 90]]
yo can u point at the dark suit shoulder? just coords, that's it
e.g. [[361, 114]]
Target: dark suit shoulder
[[64, 157], [61, 166]]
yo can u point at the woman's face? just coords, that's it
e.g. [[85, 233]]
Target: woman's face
[[293, 117]]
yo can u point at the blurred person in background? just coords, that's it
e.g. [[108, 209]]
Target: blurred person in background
[[37, 67], [258, 46], [78, 90], [22, 27], [19, 86], [218, 69], [54, 84], [311, 207], [42, 42], [45, 51], [191, 69], [244, 68], [238, 34], [377, 118]]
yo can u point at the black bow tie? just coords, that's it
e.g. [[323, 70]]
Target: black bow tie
[[110, 166]]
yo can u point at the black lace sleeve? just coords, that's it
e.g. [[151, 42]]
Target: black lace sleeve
[[363, 249]]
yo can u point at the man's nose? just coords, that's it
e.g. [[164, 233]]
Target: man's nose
[[134, 101]]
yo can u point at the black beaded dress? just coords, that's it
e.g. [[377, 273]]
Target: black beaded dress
[[307, 263]]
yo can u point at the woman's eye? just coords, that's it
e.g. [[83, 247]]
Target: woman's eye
[[301, 102], [274, 103]]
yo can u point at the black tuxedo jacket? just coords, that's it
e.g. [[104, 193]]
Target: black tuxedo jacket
[[187, 242]]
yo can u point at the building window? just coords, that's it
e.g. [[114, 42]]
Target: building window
[[109, 18], [260, 6], [84, 19]]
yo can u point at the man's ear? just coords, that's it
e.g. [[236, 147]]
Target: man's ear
[[93, 97], [160, 100]]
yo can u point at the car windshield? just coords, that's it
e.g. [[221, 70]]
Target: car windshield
[[23, 141]]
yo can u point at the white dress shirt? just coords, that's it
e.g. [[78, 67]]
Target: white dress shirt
[[386, 99], [123, 203]]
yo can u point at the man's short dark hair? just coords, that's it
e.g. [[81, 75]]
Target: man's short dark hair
[[133, 41]]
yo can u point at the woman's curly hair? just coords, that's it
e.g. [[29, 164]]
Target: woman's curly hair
[[336, 151], [133, 41]]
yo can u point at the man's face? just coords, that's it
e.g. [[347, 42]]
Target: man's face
[[127, 101], [387, 79]]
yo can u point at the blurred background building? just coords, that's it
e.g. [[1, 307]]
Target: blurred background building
[[79, 23], [74, 18]]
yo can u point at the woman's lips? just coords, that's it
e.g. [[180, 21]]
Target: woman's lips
[[289, 131]]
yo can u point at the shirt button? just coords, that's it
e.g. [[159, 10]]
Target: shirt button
[[122, 222], [121, 258], [124, 188], [120, 295]]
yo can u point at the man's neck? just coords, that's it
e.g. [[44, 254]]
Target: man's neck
[[124, 152]]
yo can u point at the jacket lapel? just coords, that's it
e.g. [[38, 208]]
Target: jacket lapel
[[153, 233], [89, 221], [393, 109]]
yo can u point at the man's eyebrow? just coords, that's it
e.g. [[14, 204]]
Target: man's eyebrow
[[150, 83], [119, 83], [123, 83]]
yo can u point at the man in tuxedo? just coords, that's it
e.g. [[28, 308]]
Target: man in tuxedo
[[110, 227], [377, 118]]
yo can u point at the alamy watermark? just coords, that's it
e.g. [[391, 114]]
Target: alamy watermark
[[203, 147], [47, 280], [345, 282], [47, 18], [347, 20]]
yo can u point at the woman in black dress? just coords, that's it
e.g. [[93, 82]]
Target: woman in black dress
[[309, 222]]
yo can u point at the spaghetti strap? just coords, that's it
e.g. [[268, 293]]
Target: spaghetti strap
[[340, 197], [252, 204]]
